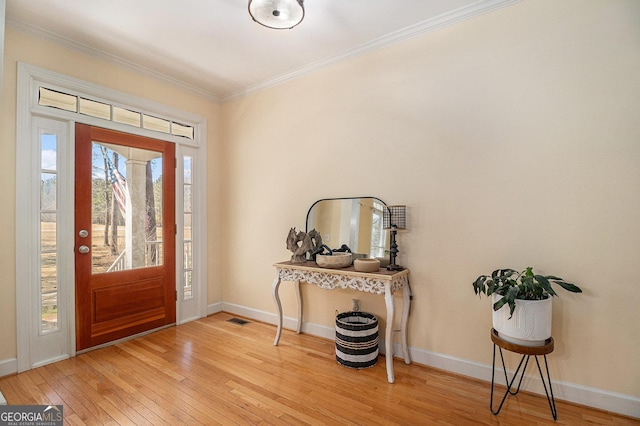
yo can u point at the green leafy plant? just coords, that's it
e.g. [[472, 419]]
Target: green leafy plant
[[525, 285]]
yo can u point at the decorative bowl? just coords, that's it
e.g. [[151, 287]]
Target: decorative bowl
[[366, 265], [334, 261]]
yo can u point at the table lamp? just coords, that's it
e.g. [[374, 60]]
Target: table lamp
[[394, 218]]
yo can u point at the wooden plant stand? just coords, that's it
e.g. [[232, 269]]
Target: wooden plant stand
[[527, 352]]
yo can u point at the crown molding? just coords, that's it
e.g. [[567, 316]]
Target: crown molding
[[478, 8], [446, 19], [68, 43]]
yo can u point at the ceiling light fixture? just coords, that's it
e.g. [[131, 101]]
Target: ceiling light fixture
[[277, 14]]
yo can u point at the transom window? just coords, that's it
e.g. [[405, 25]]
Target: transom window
[[68, 102]]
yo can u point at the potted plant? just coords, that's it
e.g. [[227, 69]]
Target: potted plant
[[528, 296]]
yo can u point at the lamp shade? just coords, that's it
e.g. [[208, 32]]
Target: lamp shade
[[277, 14], [395, 217]]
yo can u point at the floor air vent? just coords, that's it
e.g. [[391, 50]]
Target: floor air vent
[[238, 321]]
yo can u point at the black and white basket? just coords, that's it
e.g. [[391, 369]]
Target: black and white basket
[[357, 339]]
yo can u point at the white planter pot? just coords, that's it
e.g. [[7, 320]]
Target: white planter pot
[[530, 324]]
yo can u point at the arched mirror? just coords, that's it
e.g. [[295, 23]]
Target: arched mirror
[[356, 222]]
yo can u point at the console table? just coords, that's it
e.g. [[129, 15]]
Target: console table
[[382, 282]]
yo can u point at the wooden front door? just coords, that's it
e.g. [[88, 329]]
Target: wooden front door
[[124, 235]]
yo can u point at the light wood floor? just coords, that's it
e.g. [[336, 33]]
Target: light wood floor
[[213, 371]]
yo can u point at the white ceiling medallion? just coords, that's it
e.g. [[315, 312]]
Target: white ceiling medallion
[[277, 14]]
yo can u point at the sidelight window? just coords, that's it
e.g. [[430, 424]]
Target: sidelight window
[[187, 268], [48, 291]]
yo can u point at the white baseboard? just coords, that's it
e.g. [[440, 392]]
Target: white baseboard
[[271, 318], [214, 308], [571, 392], [8, 366], [593, 397]]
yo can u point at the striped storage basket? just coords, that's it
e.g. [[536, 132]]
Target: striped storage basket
[[356, 339]]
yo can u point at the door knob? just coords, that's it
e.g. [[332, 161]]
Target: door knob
[[83, 249]]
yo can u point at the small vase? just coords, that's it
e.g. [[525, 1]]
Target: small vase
[[530, 324], [366, 265]]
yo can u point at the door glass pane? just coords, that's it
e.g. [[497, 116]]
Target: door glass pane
[[188, 288], [48, 192], [158, 124], [122, 115], [48, 292], [48, 234], [95, 109], [182, 130], [126, 208], [48, 237], [57, 100]]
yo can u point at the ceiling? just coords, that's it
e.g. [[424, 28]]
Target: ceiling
[[213, 47]]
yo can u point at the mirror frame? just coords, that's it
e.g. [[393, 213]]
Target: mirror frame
[[386, 256]]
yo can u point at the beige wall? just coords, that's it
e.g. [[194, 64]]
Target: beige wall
[[513, 139], [20, 47]]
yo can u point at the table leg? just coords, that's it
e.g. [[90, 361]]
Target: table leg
[[299, 297], [406, 308], [388, 335], [276, 298]]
